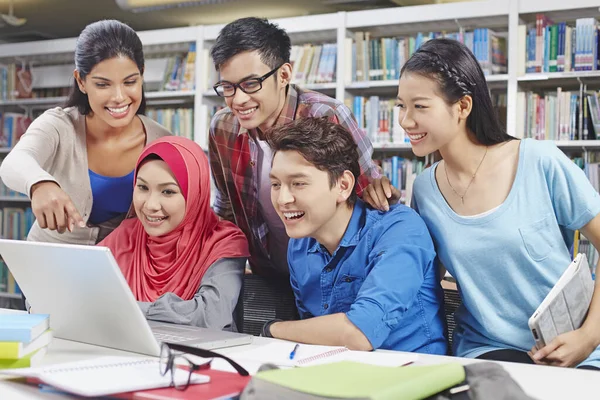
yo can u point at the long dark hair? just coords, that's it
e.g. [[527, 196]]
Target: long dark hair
[[101, 41], [458, 74]]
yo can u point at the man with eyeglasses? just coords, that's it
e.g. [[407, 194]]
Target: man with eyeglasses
[[252, 57]]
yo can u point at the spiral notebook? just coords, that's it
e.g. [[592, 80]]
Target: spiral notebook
[[306, 355], [105, 376]]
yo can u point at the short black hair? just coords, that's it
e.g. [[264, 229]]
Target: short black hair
[[323, 143], [252, 34], [99, 41]]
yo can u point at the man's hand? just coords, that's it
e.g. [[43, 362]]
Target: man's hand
[[380, 194]]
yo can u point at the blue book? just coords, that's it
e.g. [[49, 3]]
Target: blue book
[[22, 328]]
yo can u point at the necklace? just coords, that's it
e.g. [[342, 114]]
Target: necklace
[[462, 197]]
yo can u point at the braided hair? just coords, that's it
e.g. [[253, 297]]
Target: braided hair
[[459, 74]]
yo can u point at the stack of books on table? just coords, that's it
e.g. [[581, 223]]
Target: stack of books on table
[[24, 339]]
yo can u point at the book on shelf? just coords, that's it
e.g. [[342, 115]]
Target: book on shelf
[[559, 47], [560, 115], [175, 72], [5, 191], [314, 64], [374, 58], [14, 224], [379, 118], [12, 127], [402, 173], [180, 70], [179, 121]]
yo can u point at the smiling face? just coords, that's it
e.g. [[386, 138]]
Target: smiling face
[[424, 114], [114, 90], [302, 195], [259, 109], [157, 198]]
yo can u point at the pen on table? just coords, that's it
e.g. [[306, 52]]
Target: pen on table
[[293, 353]]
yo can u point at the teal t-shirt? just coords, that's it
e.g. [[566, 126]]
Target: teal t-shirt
[[506, 261]]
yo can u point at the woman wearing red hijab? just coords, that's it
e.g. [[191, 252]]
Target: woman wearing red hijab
[[182, 263]]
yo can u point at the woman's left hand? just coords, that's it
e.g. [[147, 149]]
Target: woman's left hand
[[566, 350]]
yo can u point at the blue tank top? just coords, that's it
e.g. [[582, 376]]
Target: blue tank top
[[111, 196]]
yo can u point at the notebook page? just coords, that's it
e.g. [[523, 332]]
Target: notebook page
[[106, 375], [278, 353], [383, 359]]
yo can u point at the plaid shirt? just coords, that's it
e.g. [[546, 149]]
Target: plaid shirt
[[233, 153]]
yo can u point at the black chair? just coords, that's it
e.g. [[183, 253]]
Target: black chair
[[264, 300], [451, 303]]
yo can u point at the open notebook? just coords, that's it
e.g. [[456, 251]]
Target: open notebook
[[278, 353], [105, 376]]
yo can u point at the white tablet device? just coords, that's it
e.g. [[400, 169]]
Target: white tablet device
[[564, 309]]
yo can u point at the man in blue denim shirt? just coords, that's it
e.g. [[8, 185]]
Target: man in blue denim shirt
[[363, 279]]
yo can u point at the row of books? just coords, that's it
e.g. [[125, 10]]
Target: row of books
[[6, 192], [562, 47], [314, 63], [379, 118], [402, 173], [15, 224], [383, 58], [12, 127], [180, 72], [17, 81], [179, 121], [561, 115], [24, 339]]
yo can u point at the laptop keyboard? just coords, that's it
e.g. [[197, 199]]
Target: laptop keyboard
[[163, 337]]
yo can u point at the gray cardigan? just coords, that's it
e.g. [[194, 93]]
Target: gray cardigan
[[54, 149], [212, 306]]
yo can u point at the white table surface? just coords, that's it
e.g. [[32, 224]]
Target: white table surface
[[540, 382]]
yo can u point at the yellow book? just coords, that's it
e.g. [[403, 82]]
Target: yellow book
[[30, 360], [16, 350]]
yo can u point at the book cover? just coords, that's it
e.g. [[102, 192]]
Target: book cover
[[16, 350], [22, 327]]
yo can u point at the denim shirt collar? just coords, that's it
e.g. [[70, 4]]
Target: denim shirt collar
[[352, 233]]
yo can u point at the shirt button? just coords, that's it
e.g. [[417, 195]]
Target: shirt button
[[328, 269], [348, 280], [325, 306], [252, 163]]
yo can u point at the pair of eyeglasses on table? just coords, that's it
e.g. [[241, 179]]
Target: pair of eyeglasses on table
[[173, 357]]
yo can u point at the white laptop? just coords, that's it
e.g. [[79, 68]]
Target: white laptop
[[89, 300]]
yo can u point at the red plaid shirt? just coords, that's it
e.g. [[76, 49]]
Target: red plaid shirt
[[233, 153]]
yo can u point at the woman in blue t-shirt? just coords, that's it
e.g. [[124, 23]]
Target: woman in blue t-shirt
[[501, 211]]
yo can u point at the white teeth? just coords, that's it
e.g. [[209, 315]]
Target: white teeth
[[246, 112], [118, 110], [155, 219], [417, 137], [290, 215]]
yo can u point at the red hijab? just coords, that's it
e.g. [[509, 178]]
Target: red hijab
[[177, 261]]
